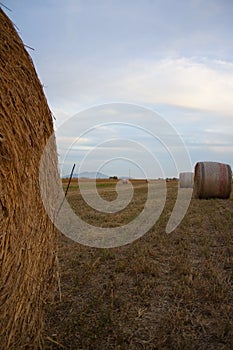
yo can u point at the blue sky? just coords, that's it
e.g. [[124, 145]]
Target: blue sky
[[172, 57]]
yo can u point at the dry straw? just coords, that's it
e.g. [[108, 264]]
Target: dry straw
[[28, 247], [212, 180]]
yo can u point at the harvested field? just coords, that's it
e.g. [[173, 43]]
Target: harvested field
[[163, 291]]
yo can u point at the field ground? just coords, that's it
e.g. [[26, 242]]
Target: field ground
[[163, 291]]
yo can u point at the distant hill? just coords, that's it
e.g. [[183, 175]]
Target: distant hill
[[88, 175]]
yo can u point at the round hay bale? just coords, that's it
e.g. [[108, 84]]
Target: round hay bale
[[186, 180], [124, 181], [28, 247], [212, 180]]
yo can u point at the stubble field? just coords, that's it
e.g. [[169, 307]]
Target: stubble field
[[163, 291]]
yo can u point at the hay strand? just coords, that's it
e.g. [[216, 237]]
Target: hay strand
[[28, 241]]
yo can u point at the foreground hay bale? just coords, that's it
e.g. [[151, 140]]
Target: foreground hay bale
[[212, 180], [186, 180], [28, 238]]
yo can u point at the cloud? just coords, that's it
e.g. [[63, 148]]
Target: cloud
[[177, 60], [182, 82], [202, 138], [143, 52], [69, 140], [189, 83]]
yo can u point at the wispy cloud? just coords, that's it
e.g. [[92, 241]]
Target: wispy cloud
[[184, 82]]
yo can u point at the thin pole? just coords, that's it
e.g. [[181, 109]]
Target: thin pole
[[71, 174]]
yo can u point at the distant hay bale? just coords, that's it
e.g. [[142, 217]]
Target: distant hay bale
[[28, 247], [212, 180], [125, 181], [186, 180]]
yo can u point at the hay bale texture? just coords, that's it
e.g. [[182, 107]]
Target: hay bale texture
[[186, 180], [212, 180], [28, 245]]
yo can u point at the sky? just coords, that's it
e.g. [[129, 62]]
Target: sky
[[112, 70]]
